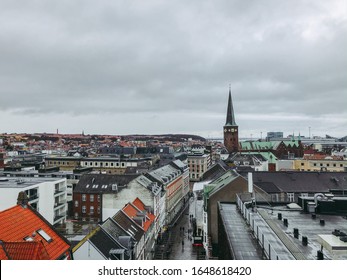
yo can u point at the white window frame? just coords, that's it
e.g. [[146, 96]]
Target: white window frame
[[291, 197]]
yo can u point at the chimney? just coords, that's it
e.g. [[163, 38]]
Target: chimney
[[250, 182], [22, 199]]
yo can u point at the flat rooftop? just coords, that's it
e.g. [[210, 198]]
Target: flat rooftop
[[23, 182], [316, 228], [244, 246]]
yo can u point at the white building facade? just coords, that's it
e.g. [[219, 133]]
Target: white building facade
[[47, 195]]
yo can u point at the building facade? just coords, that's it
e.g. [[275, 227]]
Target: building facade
[[46, 195]]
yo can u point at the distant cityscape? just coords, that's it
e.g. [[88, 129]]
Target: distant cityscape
[[174, 196]]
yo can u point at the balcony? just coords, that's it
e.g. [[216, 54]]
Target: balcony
[[59, 217], [59, 191], [33, 198], [59, 204]]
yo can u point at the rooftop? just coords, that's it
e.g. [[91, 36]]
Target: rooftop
[[23, 182], [21, 224], [313, 229]]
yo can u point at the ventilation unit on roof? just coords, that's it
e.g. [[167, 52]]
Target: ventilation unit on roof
[[343, 238]]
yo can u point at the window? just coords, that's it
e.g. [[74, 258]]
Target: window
[[98, 197], [84, 197], [302, 164], [76, 215], [84, 209], [91, 198], [44, 235], [91, 210], [28, 238], [76, 203], [290, 197], [98, 209]]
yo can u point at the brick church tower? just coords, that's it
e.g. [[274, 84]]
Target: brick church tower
[[231, 132]]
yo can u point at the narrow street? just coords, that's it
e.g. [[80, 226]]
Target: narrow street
[[177, 244]]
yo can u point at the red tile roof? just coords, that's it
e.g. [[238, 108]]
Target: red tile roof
[[25, 250], [132, 210], [18, 223]]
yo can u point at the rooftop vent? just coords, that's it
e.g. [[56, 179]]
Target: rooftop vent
[[296, 233], [343, 238], [337, 232], [320, 255]]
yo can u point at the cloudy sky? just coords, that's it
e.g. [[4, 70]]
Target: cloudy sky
[[153, 67]]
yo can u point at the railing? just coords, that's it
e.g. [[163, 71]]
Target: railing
[[33, 197], [60, 203], [59, 216], [59, 190], [256, 226]]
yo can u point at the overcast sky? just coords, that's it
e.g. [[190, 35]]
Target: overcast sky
[[155, 67]]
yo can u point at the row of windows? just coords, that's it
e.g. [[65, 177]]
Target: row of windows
[[91, 198], [73, 163], [106, 164], [322, 164], [85, 219], [91, 209], [202, 161]]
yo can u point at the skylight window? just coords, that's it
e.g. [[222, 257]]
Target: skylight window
[[28, 238], [44, 235]]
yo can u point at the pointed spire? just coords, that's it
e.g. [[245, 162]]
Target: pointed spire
[[230, 113]]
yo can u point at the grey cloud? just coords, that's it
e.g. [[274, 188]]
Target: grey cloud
[[141, 57]]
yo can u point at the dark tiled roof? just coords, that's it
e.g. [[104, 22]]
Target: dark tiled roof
[[113, 229], [102, 183], [105, 243], [310, 182], [268, 187], [215, 171], [133, 229]]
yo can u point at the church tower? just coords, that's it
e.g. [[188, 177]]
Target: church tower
[[231, 132]]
